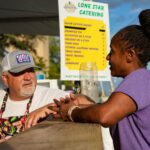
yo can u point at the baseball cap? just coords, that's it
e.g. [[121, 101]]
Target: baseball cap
[[18, 61]]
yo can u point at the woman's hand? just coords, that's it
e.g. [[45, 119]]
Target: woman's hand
[[63, 106]]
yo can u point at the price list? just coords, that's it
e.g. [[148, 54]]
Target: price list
[[85, 41]]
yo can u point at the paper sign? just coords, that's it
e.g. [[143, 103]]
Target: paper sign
[[84, 36]]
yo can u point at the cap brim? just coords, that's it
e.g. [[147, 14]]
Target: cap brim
[[22, 68]]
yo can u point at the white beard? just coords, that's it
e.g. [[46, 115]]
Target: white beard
[[29, 91]]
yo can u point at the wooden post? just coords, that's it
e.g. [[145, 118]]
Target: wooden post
[[57, 135]]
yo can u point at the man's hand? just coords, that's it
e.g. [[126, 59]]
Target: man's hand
[[38, 114]]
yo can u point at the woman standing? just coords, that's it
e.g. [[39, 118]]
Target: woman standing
[[127, 111]]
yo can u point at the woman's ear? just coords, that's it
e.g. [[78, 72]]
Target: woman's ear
[[5, 79], [130, 55]]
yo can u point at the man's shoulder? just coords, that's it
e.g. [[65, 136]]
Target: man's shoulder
[[44, 88], [39, 87], [2, 91], [44, 95], [48, 89], [2, 94]]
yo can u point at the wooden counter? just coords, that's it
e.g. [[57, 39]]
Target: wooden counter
[[57, 135]]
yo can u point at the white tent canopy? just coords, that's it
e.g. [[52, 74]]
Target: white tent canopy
[[29, 17]]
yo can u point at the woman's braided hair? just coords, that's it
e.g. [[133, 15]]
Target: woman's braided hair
[[137, 37]]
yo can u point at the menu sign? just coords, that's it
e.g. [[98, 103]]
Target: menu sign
[[84, 37]]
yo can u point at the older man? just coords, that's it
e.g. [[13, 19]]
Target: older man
[[23, 102]]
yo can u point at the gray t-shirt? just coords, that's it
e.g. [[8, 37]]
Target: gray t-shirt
[[133, 132]]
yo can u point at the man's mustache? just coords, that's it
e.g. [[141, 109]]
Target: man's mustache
[[27, 82]]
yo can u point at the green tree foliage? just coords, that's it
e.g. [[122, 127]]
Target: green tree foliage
[[40, 61], [18, 41], [54, 71]]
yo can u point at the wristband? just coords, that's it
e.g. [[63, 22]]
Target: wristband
[[70, 111]]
